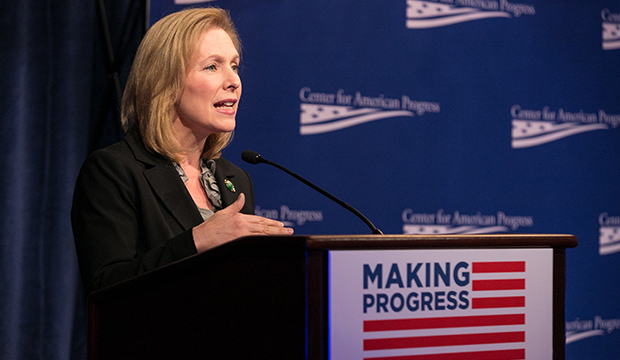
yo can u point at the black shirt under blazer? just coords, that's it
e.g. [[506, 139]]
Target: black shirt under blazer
[[132, 212]]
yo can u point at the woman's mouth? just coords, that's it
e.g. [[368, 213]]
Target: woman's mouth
[[225, 104]]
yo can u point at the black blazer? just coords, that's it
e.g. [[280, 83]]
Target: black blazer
[[132, 213]]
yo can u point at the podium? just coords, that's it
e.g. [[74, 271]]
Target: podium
[[359, 296]]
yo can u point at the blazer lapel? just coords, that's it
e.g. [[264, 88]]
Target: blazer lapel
[[222, 176], [166, 184]]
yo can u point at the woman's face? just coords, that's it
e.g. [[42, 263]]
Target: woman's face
[[212, 88]]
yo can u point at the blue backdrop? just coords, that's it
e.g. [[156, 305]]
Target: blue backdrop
[[451, 116], [445, 116]]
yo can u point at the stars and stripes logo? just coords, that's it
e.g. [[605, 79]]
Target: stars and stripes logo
[[609, 240], [579, 329], [413, 229], [494, 328], [425, 14], [528, 133], [318, 118], [573, 336], [611, 36]]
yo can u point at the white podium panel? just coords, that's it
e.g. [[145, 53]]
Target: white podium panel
[[441, 304]]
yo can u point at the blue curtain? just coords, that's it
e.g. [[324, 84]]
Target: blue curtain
[[59, 103]]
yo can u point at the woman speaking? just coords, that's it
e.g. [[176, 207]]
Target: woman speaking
[[164, 192]]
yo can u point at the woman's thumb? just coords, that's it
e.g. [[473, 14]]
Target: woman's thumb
[[237, 205]]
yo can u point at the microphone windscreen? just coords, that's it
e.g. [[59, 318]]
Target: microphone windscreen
[[250, 157]]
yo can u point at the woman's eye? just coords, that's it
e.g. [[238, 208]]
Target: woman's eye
[[235, 68], [211, 67]]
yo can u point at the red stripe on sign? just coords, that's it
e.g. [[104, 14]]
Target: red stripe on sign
[[444, 340], [516, 354], [498, 267], [443, 322], [504, 284], [498, 302]]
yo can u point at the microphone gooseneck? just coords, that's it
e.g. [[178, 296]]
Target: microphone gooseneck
[[254, 158]]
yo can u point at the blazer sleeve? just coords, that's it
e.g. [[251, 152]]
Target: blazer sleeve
[[109, 221]]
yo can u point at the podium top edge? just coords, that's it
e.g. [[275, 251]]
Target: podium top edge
[[336, 242]]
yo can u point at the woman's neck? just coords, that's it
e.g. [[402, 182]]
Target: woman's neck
[[191, 159], [191, 143]]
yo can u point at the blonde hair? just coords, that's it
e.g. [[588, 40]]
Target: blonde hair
[[157, 79]]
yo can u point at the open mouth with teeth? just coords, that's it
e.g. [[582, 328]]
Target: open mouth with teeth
[[225, 104]]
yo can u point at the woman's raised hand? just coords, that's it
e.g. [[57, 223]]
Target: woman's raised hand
[[229, 224]]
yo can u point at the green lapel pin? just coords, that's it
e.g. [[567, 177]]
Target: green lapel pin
[[230, 185]]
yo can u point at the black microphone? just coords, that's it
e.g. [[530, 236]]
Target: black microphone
[[254, 158]]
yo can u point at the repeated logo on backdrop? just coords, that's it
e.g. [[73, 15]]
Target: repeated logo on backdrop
[[290, 217], [533, 127], [322, 112], [609, 243], [457, 223], [437, 13], [611, 30], [582, 329], [609, 236]]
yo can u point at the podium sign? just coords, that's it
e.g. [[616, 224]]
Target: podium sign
[[460, 303]]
